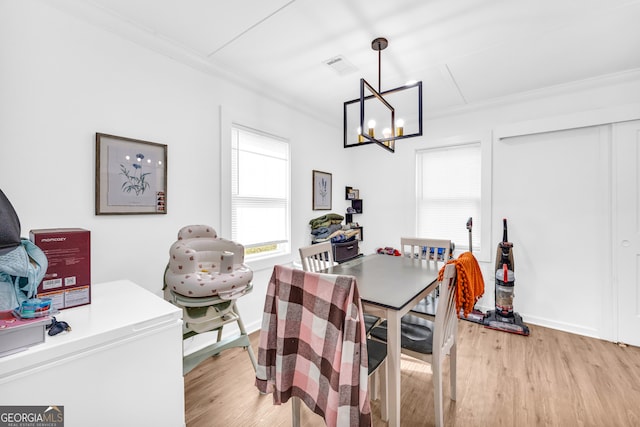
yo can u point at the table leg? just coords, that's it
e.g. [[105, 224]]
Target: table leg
[[393, 365]]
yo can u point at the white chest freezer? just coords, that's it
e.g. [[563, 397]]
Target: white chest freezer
[[121, 364]]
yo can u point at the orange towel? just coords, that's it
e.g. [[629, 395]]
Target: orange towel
[[470, 282]]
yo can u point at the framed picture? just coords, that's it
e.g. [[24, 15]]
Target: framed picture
[[347, 191], [321, 191], [131, 176]]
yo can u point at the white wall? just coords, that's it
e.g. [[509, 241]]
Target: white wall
[[63, 80]]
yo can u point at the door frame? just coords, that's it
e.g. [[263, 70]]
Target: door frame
[[615, 237]]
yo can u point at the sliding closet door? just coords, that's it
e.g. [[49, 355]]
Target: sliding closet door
[[554, 189], [626, 151]]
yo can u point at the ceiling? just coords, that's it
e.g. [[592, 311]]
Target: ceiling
[[466, 52]]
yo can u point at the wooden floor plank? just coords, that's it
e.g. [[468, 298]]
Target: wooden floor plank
[[550, 378]]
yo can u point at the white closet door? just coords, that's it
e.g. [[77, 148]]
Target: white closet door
[[626, 149], [554, 189]]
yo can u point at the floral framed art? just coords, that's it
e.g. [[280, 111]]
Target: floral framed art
[[131, 176], [321, 191]]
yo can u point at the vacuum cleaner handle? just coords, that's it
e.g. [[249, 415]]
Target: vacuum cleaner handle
[[504, 230], [469, 225]]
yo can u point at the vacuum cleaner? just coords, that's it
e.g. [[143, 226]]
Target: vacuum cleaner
[[503, 318], [475, 316]]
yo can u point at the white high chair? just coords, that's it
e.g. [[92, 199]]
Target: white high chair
[[204, 277]]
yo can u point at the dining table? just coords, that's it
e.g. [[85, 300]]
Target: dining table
[[389, 287]]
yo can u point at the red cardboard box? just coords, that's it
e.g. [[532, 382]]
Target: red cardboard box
[[68, 278]]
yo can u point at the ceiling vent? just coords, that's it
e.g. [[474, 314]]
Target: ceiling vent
[[340, 65]]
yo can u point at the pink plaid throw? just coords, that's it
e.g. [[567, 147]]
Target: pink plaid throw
[[313, 345]]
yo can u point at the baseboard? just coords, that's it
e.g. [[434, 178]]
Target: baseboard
[[552, 324], [561, 326]]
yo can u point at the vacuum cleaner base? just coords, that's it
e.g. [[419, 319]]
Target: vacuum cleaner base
[[514, 324], [475, 316]]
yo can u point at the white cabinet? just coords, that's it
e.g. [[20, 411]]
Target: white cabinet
[[121, 364]]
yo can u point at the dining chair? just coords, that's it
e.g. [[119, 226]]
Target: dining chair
[[432, 341], [318, 257], [313, 347], [433, 252]]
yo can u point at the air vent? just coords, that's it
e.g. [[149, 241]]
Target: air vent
[[340, 65]]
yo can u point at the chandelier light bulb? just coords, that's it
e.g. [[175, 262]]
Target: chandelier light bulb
[[399, 127], [386, 132], [372, 126]]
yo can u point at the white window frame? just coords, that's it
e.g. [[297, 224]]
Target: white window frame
[[483, 253], [282, 244], [229, 118]]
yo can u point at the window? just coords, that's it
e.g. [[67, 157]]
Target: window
[[259, 192], [448, 193]]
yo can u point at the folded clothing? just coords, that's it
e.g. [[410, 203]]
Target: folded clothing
[[326, 231], [338, 236], [326, 220]]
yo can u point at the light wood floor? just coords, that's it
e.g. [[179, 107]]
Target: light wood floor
[[549, 378]]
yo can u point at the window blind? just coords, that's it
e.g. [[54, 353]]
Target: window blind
[[448, 193], [260, 188]]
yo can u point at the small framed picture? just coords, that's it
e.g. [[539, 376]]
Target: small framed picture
[[321, 190], [356, 193], [347, 190], [131, 176]]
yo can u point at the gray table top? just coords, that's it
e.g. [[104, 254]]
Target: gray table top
[[388, 281]]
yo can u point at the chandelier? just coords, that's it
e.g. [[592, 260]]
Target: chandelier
[[389, 115]]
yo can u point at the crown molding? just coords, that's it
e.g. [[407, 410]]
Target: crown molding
[[550, 91]]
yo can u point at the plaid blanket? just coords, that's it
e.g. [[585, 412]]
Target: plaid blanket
[[313, 345]]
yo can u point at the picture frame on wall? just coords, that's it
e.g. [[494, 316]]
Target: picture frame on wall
[[322, 187], [347, 192], [131, 176]]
